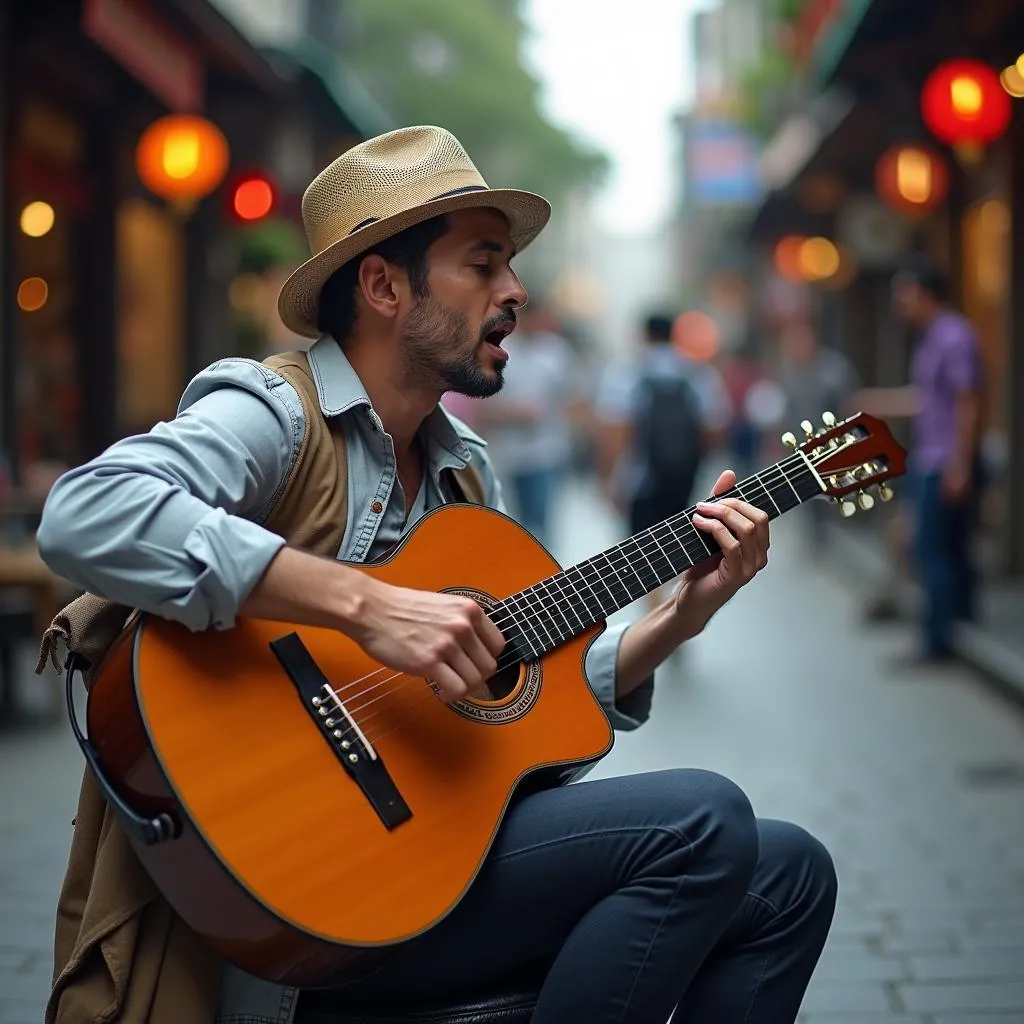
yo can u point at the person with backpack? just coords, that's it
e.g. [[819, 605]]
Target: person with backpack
[[657, 422], [262, 498]]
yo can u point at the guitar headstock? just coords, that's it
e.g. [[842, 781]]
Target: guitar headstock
[[851, 458]]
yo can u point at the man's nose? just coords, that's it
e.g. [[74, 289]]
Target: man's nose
[[515, 295]]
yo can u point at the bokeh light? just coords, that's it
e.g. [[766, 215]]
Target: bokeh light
[[696, 336], [1012, 81], [253, 199], [787, 257], [32, 294], [818, 259], [37, 219]]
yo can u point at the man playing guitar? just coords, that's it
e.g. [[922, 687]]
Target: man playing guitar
[[641, 893]]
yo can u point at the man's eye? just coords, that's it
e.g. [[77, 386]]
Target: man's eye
[[483, 268]]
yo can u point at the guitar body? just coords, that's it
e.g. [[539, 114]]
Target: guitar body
[[283, 865]]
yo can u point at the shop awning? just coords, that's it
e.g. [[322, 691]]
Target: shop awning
[[225, 43], [347, 93], [789, 153], [837, 41]]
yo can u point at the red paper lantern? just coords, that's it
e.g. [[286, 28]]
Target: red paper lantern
[[964, 105], [912, 178], [253, 197], [182, 157]]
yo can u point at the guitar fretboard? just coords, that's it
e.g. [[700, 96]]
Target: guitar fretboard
[[544, 616]]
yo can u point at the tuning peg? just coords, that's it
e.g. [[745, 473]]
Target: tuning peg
[[828, 419], [789, 439], [885, 492], [865, 501], [846, 507], [807, 427]]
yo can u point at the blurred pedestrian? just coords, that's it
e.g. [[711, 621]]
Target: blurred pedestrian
[[944, 401], [814, 379], [657, 420], [742, 372], [528, 425]]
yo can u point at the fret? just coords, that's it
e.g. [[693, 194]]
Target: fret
[[601, 611], [629, 594], [512, 629], [522, 618], [697, 545], [660, 550], [753, 481], [682, 560], [781, 488], [542, 616], [565, 598], [620, 549], [636, 543], [599, 586], [552, 599], [807, 481]]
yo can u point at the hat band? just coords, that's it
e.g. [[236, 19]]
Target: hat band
[[444, 195]]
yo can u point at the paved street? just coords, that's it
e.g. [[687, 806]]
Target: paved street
[[916, 783]]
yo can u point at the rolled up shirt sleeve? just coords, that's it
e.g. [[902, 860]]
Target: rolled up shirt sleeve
[[601, 666], [169, 521], [627, 712]]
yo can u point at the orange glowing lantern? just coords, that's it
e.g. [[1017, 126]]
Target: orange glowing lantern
[[964, 105], [182, 157], [912, 178]]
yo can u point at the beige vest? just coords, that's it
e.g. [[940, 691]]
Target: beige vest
[[120, 952]]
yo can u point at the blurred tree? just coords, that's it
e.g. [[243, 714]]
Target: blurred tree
[[460, 65]]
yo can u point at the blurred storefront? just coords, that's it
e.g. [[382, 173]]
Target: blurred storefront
[[860, 168], [911, 139], [113, 294]]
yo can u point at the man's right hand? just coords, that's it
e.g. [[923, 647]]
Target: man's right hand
[[446, 639]]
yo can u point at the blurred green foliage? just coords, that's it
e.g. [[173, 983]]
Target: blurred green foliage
[[764, 85], [268, 244], [459, 64]]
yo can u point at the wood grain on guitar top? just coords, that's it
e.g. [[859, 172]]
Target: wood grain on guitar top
[[288, 870]]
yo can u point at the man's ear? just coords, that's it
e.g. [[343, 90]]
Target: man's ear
[[380, 284]]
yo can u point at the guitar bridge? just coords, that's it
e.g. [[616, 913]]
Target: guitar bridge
[[341, 731]]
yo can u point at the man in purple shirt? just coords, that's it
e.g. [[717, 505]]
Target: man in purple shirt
[[944, 402]]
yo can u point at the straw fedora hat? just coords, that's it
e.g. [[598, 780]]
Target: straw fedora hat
[[381, 187]]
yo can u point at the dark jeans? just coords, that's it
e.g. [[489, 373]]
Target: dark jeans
[[643, 892], [534, 492], [942, 541]]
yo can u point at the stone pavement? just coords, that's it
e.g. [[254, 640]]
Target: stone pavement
[[915, 782]]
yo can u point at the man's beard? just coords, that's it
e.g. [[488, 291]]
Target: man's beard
[[440, 353]]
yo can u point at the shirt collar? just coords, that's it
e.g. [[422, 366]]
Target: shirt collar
[[339, 389]]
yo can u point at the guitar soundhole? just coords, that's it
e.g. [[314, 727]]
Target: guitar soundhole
[[499, 687], [509, 694]]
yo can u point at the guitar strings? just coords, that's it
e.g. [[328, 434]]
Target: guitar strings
[[429, 693], [534, 602], [779, 472], [531, 599]]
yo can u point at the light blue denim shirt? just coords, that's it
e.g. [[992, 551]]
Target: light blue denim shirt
[[170, 522]]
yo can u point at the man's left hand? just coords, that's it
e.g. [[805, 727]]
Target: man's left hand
[[741, 531]]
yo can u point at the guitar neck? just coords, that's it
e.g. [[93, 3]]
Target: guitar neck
[[544, 616]]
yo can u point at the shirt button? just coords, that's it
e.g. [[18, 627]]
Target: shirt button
[[377, 507]]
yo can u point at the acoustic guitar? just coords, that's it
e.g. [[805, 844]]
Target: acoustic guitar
[[306, 810]]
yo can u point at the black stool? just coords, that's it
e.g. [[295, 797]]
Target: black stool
[[512, 1002]]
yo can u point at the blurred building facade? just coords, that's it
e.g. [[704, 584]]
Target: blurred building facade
[[110, 296], [717, 154], [836, 166]]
